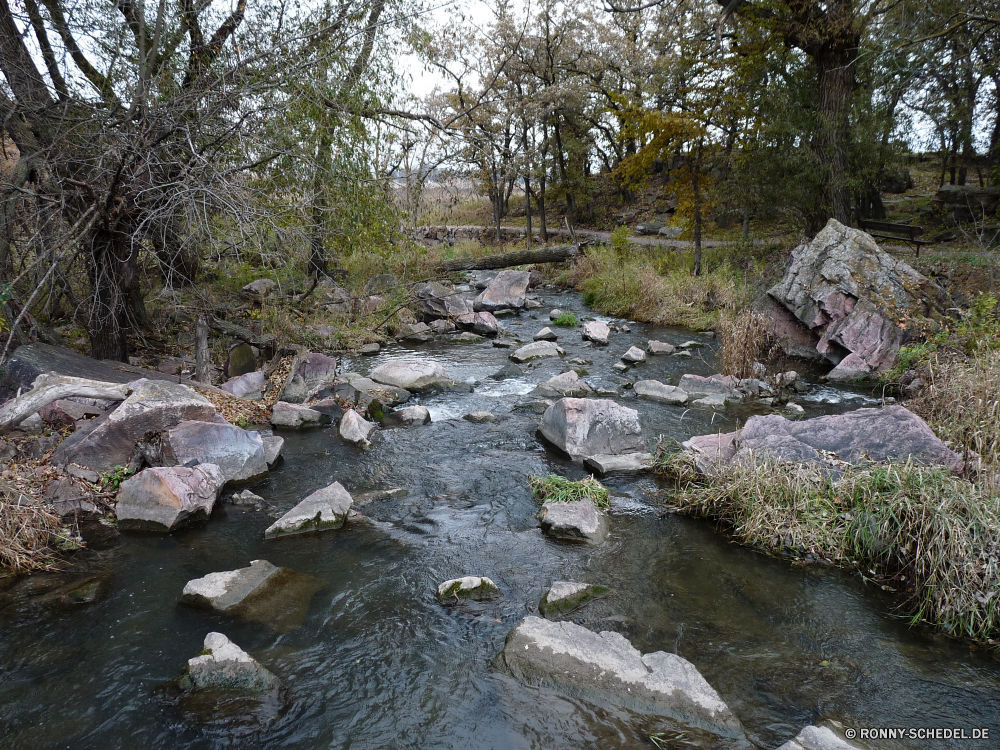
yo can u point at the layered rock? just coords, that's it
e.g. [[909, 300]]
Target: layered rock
[[163, 498], [154, 406], [591, 427], [841, 295], [239, 454], [324, 509], [605, 665]]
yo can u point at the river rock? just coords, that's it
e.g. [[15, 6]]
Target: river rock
[[596, 331], [591, 427], [223, 665], [568, 656], [309, 372], [537, 350], [249, 386], [565, 596], [697, 386], [162, 498], [479, 417], [576, 521], [324, 509], [818, 738], [658, 347], [418, 333], [260, 289], [556, 314], [154, 406], [566, 384], [844, 295], [482, 323], [354, 428], [407, 417], [633, 355], [546, 334], [477, 588], [411, 374], [238, 454], [296, 416], [508, 371], [626, 463], [273, 446], [653, 390], [507, 290], [262, 592], [432, 300], [370, 350]]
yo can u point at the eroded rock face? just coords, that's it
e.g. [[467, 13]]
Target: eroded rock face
[[225, 666], [162, 498], [506, 291], [154, 406], [577, 521], [566, 655], [324, 509], [591, 427], [239, 454], [411, 374], [846, 296]]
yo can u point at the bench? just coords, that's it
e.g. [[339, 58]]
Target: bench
[[887, 231]]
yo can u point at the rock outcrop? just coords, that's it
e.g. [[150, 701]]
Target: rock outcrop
[[605, 665], [591, 427], [324, 509], [163, 498], [846, 299]]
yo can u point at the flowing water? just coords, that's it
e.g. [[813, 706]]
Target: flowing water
[[377, 662]]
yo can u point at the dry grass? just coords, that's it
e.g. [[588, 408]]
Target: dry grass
[[744, 340], [28, 533], [923, 533], [962, 403]]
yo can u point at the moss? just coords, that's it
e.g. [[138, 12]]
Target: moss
[[570, 603]]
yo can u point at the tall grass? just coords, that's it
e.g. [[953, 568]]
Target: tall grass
[[28, 533], [744, 339], [933, 536]]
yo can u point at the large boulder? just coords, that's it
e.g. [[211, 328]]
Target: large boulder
[[431, 300], [222, 665], [162, 498], [483, 323], [411, 374], [576, 521], [844, 295], [249, 386], [507, 290], [324, 509], [591, 427], [309, 372], [261, 592], [296, 416], [537, 350], [239, 454], [154, 406], [355, 429], [891, 433], [607, 667]]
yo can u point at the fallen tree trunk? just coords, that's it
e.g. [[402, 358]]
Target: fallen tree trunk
[[267, 341], [49, 387], [518, 258]]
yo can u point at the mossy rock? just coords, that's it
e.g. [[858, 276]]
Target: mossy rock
[[475, 588], [566, 596]]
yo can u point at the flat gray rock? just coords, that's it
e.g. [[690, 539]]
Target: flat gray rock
[[537, 350], [654, 390], [633, 463], [161, 498], [606, 666], [659, 347], [577, 521], [324, 509], [239, 454], [591, 427], [223, 665]]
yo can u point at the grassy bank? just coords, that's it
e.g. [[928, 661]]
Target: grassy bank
[[922, 533]]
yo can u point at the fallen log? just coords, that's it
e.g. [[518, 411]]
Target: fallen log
[[267, 341], [518, 258], [50, 387]]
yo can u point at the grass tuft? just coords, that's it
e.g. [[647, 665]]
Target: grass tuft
[[557, 489], [566, 320]]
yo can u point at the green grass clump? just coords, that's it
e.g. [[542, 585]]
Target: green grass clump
[[557, 489], [566, 320], [928, 535]]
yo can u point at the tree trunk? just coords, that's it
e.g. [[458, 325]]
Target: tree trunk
[[117, 304], [835, 65], [696, 187], [506, 260], [202, 359], [317, 233]]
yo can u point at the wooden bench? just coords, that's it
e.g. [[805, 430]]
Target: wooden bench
[[887, 231]]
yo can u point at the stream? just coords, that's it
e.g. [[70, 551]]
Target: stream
[[379, 663]]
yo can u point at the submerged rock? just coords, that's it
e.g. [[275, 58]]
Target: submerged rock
[[262, 592], [476, 588], [627, 463], [324, 509], [162, 498], [818, 738], [507, 290], [223, 665], [411, 374], [577, 521], [591, 427], [653, 390], [239, 454], [607, 666], [596, 331], [565, 596], [537, 350]]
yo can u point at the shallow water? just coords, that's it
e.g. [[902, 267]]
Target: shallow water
[[379, 663]]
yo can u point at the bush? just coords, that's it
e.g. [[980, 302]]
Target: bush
[[557, 489]]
